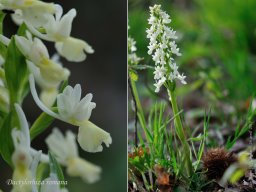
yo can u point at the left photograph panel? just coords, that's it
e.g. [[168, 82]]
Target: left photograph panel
[[63, 96]]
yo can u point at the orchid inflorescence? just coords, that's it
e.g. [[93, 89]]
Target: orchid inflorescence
[[46, 21], [133, 58], [162, 47]]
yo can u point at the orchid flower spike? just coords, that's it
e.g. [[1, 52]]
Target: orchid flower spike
[[76, 112], [66, 152], [162, 47], [133, 59], [58, 30]]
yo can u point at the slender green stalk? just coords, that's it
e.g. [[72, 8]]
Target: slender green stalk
[[140, 112], [180, 132]]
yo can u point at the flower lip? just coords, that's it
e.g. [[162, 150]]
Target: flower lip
[[89, 172], [91, 137]]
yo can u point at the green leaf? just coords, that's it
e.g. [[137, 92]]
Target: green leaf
[[42, 172], [4, 100], [2, 16], [6, 144], [22, 30], [56, 168], [16, 73], [42, 123], [2, 46]]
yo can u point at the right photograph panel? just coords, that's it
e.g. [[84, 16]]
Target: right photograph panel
[[191, 95]]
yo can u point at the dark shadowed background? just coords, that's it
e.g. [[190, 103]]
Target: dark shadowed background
[[103, 25]]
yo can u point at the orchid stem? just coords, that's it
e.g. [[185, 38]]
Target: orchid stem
[[180, 131], [140, 113]]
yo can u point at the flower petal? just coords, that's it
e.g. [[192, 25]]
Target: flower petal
[[84, 108], [65, 24]]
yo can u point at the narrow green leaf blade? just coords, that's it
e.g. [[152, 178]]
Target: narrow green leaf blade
[[6, 145], [2, 16], [16, 73], [56, 168], [42, 123]]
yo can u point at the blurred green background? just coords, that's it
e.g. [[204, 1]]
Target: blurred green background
[[103, 24], [217, 39]]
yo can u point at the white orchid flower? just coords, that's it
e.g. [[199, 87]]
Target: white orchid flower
[[48, 72], [77, 112], [21, 159], [25, 163], [66, 152], [36, 16], [35, 51], [58, 30], [34, 12], [21, 4]]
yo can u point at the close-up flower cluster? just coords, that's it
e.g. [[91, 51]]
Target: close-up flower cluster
[[24, 63], [163, 47]]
